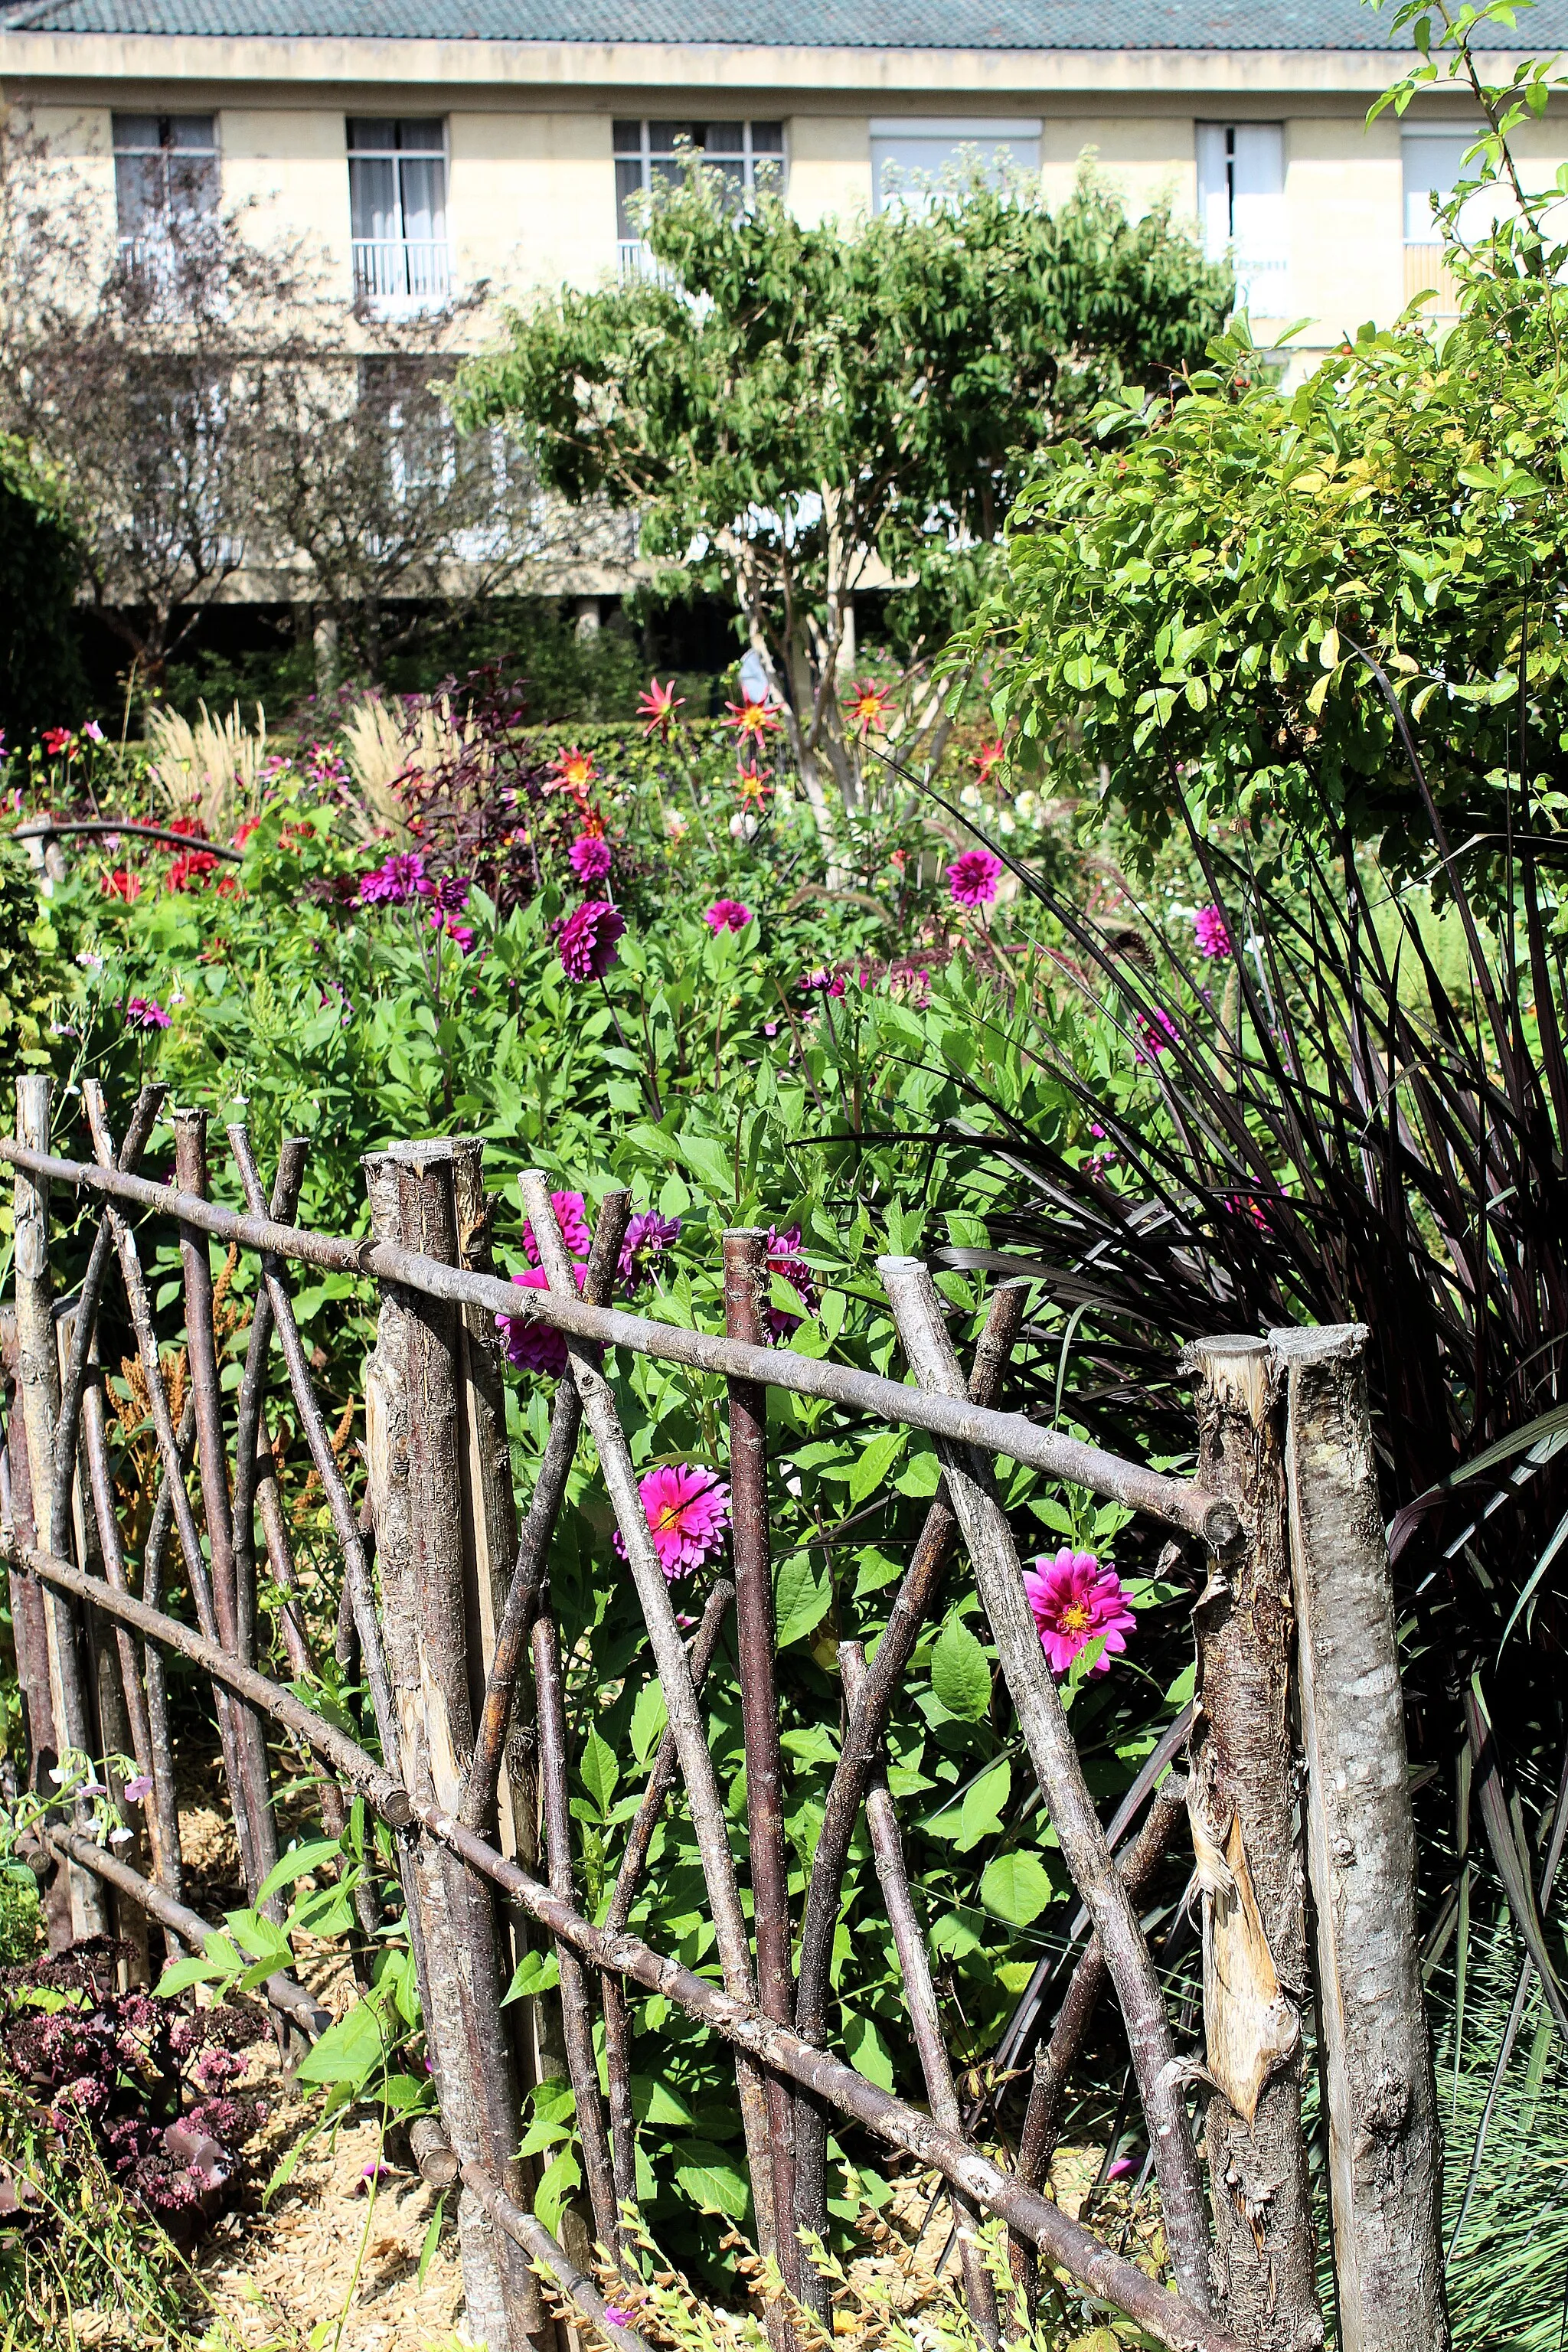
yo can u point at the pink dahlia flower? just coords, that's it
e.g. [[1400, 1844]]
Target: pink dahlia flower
[[1209, 930], [727, 915], [572, 1216], [1076, 1602], [393, 882], [588, 939], [647, 1236], [973, 878], [687, 1510], [1154, 1035], [590, 855], [536, 1347]]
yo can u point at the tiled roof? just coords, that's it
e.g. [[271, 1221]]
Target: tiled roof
[[1332, 25]]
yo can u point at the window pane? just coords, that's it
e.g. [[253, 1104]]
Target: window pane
[[626, 138], [371, 132], [372, 200], [629, 180], [668, 172], [1214, 188], [1432, 167], [134, 131], [191, 131], [662, 136], [767, 138], [926, 158], [138, 193], [192, 184], [423, 133], [424, 202], [1257, 209], [722, 138], [733, 175]]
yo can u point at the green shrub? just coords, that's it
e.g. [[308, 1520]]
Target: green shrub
[[40, 670]]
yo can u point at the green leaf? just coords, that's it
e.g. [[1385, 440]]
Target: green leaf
[[432, 2237], [867, 2051], [1016, 1888], [536, 1972], [194, 1969], [981, 1816], [920, 1476], [297, 1864], [961, 1672], [600, 1770], [349, 2051], [562, 2177], [650, 1717], [871, 1471], [711, 1162], [800, 1596], [710, 2180]]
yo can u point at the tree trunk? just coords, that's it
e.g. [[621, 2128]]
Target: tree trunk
[[1385, 2149], [1243, 1793]]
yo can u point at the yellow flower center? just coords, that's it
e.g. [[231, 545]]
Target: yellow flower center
[[1074, 1618]]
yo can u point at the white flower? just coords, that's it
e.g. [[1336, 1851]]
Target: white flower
[[1027, 807], [89, 961], [1006, 822], [743, 825], [122, 1836], [972, 797]]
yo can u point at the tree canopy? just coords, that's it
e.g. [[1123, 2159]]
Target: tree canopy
[[801, 414], [40, 670]]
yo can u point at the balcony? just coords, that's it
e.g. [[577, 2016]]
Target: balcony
[[397, 274], [1425, 267]]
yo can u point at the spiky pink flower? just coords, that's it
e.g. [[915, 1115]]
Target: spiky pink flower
[[572, 1216], [588, 939], [785, 1260], [146, 1012], [687, 1509], [972, 878], [1209, 930], [393, 882], [590, 857], [535, 1346], [1077, 1601], [727, 915]]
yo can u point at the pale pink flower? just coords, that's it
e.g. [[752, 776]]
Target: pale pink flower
[[1076, 1602], [687, 1509]]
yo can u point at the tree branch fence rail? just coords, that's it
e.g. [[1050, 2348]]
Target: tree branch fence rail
[[445, 1604]]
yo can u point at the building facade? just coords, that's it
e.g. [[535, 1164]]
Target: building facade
[[431, 146]]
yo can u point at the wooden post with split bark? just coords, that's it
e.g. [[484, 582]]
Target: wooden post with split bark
[[1385, 2149], [1242, 1799], [418, 1457]]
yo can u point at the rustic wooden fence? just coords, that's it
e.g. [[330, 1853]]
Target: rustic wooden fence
[[1296, 1744]]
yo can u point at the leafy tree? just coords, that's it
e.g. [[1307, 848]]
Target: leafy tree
[[40, 673], [1200, 589], [803, 414]]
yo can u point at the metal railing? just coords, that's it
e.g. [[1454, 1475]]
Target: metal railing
[[444, 1677], [402, 271]]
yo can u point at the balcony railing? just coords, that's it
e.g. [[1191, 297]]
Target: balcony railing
[[1424, 266], [400, 270]]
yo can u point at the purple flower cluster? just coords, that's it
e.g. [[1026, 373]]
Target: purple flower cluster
[[647, 1236], [393, 882]]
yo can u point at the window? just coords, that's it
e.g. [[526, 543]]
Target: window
[[1433, 164], [165, 173], [1241, 208], [927, 146], [648, 153], [397, 203]]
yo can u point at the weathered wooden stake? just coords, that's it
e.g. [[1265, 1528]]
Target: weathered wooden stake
[[39, 1378], [415, 1448], [1385, 2149], [1243, 1795]]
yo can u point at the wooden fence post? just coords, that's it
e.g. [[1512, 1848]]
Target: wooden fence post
[[39, 1378], [1385, 2150], [415, 1447], [1243, 1793]]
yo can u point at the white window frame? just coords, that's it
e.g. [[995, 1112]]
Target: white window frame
[[152, 246], [1262, 284], [632, 257], [1466, 133], [372, 259], [982, 130]]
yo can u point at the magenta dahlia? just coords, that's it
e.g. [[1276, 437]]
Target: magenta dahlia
[[972, 878], [590, 855], [535, 1346], [687, 1510], [589, 938], [1077, 1601], [727, 915], [1210, 933], [572, 1216]]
